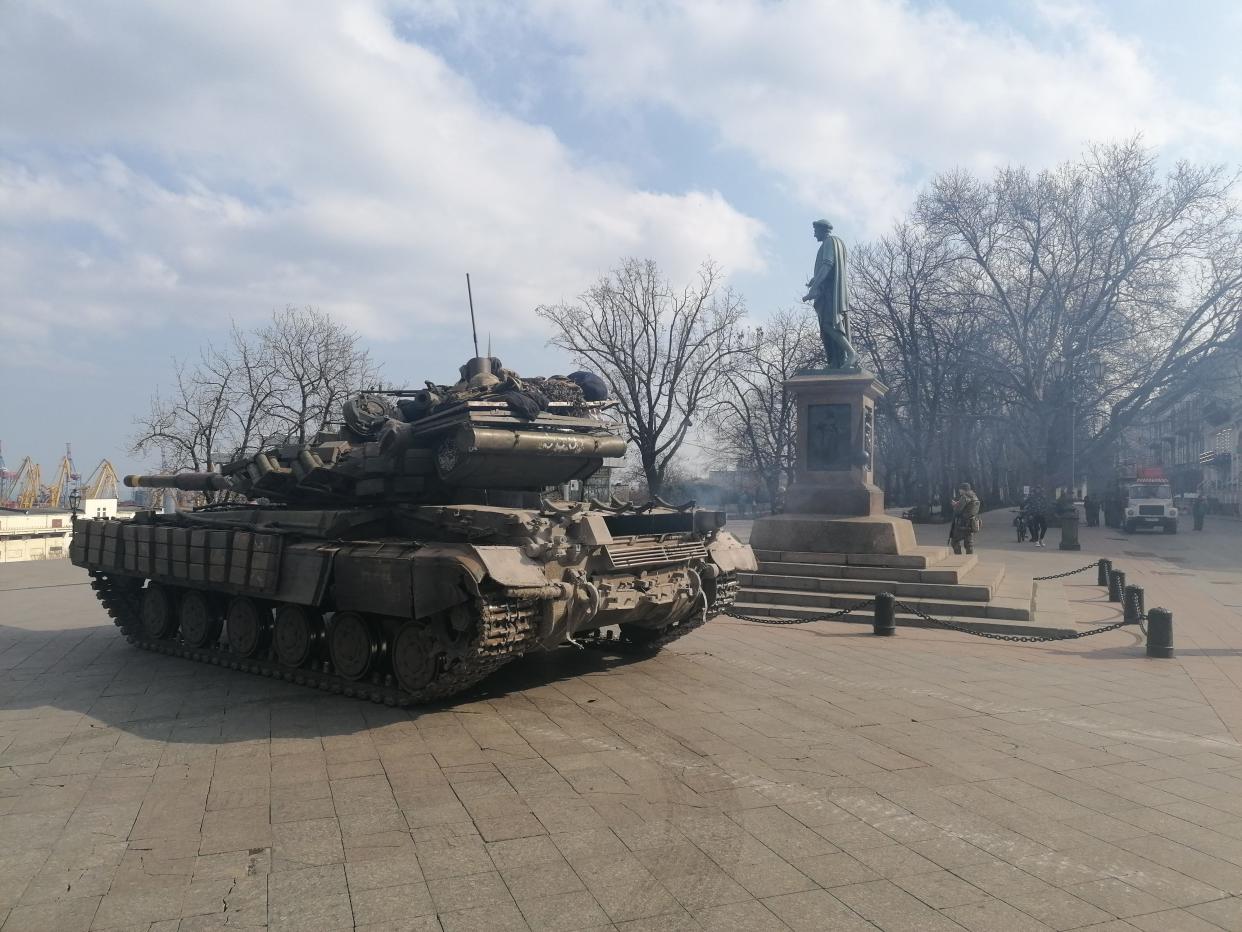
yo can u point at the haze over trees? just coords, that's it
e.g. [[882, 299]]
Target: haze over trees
[[1014, 315], [1011, 317]]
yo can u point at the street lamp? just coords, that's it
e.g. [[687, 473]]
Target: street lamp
[[1069, 375], [75, 502]]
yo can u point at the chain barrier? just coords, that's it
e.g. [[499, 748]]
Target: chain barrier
[[765, 620], [952, 626], [1019, 638], [1081, 569]]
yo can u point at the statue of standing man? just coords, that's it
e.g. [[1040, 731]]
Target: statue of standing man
[[829, 293]]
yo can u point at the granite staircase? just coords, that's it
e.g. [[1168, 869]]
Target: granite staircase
[[934, 580]]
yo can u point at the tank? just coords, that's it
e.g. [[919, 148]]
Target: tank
[[414, 548]]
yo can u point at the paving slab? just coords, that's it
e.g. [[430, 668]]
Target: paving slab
[[746, 777]]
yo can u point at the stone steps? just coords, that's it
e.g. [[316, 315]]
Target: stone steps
[[918, 558], [945, 573], [979, 586], [792, 602]]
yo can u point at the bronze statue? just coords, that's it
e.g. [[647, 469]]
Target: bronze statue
[[829, 292]]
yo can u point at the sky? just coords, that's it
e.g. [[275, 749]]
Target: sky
[[167, 168]]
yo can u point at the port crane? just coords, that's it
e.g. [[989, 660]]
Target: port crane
[[102, 483], [25, 485]]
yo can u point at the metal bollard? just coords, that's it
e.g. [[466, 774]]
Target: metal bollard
[[1116, 585], [1159, 633], [885, 608], [1129, 605], [1101, 577]]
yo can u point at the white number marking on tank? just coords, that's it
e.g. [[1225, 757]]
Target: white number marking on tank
[[561, 446]]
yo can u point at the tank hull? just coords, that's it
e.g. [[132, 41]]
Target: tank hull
[[403, 606]]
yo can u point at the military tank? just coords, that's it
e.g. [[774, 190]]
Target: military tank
[[412, 549]]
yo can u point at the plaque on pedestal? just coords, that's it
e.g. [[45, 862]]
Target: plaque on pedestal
[[834, 505]]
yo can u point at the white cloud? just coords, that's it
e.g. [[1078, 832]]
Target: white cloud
[[853, 103], [200, 161]]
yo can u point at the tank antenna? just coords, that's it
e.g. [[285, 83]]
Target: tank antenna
[[474, 330]]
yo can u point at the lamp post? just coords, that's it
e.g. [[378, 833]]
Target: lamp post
[[75, 502], [1068, 374], [1063, 375]]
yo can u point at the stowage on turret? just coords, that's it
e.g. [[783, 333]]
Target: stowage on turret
[[411, 550]]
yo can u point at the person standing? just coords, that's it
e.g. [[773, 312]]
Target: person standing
[[1092, 507], [1036, 510], [965, 519], [1199, 509]]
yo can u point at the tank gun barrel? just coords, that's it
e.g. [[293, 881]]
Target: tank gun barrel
[[185, 481]]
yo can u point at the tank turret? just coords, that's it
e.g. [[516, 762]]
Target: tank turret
[[491, 430]]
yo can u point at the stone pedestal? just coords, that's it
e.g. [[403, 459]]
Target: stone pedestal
[[834, 506], [1069, 531]]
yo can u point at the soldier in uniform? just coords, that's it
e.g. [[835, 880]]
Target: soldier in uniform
[[965, 519], [1199, 509], [1091, 505]]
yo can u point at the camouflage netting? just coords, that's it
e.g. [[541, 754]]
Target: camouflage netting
[[525, 397]]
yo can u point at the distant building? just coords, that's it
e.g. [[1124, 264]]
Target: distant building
[[44, 533], [99, 508], [34, 534], [1198, 442]]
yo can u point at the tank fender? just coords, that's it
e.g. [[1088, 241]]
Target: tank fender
[[445, 575], [730, 554], [511, 568]]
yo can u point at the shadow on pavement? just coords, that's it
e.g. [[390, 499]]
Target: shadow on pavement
[[94, 672]]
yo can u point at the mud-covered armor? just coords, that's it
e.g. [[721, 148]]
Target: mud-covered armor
[[415, 548]]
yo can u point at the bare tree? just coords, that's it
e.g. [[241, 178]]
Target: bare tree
[[754, 415], [1103, 259], [1023, 316], [662, 350], [189, 426], [275, 385], [906, 328], [317, 364]]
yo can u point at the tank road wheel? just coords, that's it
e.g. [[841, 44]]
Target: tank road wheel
[[415, 656], [352, 645], [200, 621], [249, 626], [159, 613], [297, 634]]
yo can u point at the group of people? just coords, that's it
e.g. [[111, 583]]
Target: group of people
[[1032, 518]]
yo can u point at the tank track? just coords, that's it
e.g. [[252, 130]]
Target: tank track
[[727, 587], [508, 631]]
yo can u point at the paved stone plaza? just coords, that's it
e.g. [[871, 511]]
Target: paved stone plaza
[[747, 778]]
